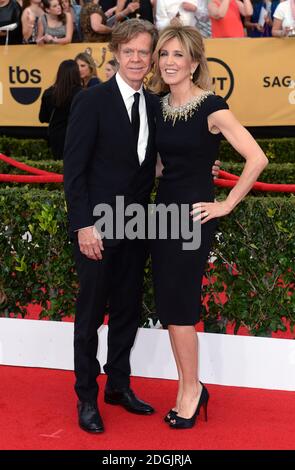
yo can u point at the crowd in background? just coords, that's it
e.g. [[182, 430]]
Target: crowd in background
[[65, 21]]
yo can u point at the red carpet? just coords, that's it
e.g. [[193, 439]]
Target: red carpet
[[38, 411]]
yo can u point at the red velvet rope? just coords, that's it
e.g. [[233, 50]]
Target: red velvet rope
[[227, 180], [54, 178], [23, 166]]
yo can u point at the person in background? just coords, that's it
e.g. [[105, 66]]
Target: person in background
[[10, 12], [226, 17], [70, 7], [93, 23], [137, 9], [190, 121], [111, 68], [87, 70], [32, 11], [260, 23], [203, 22], [284, 19], [55, 26], [177, 12], [56, 103], [108, 6]]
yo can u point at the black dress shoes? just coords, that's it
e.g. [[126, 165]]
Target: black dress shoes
[[128, 400], [89, 417]]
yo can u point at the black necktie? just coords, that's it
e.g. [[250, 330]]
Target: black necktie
[[135, 119]]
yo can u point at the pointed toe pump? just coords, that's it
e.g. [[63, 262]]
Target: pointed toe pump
[[177, 422]]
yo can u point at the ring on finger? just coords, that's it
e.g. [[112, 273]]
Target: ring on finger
[[206, 214]]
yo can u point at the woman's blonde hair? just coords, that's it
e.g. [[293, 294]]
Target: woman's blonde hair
[[85, 57], [192, 43]]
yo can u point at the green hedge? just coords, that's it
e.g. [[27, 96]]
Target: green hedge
[[277, 150], [256, 240], [33, 149]]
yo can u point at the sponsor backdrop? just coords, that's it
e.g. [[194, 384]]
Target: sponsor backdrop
[[255, 76]]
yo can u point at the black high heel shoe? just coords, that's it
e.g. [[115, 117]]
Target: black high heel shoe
[[186, 423], [170, 415]]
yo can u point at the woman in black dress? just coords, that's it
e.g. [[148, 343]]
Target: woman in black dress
[[56, 104], [190, 121]]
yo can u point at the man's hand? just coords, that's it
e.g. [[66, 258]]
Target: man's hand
[[90, 243], [216, 168]]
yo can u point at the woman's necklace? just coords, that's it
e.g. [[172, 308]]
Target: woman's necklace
[[184, 111]]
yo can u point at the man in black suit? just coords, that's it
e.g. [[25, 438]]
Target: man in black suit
[[106, 156]]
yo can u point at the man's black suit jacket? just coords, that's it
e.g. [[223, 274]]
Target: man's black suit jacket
[[100, 157]]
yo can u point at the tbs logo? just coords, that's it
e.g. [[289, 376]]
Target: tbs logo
[[19, 76]]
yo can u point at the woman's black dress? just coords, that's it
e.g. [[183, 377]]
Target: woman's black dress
[[188, 151], [57, 117]]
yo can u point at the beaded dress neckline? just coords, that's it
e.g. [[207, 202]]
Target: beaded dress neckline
[[183, 112]]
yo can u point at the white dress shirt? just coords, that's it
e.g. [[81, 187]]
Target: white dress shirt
[[128, 96], [168, 9]]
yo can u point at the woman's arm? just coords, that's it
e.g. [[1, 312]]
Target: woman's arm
[[122, 12], [245, 7], [255, 158], [27, 24], [69, 31], [40, 32], [218, 10], [277, 29], [110, 12], [159, 167], [187, 6], [249, 25], [96, 24]]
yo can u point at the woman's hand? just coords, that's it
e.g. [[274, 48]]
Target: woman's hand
[[259, 27], [205, 211], [187, 6], [40, 41], [110, 12], [216, 168], [133, 6], [48, 38]]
